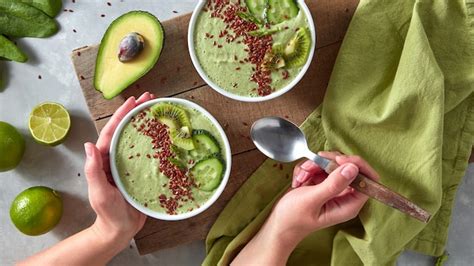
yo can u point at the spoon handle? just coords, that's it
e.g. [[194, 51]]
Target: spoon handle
[[383, 194]]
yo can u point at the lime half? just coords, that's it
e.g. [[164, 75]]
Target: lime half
[[49, 123]]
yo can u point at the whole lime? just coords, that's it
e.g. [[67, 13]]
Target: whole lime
[[36, 210], [12, 147]]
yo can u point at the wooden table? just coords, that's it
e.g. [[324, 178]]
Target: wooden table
[[175, 76]]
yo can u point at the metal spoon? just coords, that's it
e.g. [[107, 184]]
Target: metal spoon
[[283, 141]]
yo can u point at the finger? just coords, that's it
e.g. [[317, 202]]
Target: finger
[[152, 96], [303, 171], [310, 167], [316, 179], [296, 171], [361, 164], [93, 169], [335, 183], [342, 208], [143, 98], [103, 143], [329, 154]]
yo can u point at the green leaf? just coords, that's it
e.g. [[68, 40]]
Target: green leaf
[[21, 20], [10, 51], [50, 7]]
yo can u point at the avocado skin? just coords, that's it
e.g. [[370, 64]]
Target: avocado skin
[[21, 20], [103, 45], [50, 7], [10, 51]]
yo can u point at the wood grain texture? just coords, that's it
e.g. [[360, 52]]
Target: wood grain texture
[[174, 75]]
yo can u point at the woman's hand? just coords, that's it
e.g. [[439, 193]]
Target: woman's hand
[[116, 221], [319, 200], [316, 200]]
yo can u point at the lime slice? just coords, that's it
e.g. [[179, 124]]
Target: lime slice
[[49, 123]]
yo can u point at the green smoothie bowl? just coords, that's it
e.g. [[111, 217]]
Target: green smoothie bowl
[[170, 158], [251, 50]]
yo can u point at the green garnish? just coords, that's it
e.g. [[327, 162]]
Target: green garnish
[[248, 17], [263, 31]]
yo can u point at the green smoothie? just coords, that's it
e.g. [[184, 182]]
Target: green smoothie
[[246, 56], [162, 176]]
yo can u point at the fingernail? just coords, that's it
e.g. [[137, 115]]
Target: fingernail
[[293, 183], [301, 176], [88, 149], [349, 171]]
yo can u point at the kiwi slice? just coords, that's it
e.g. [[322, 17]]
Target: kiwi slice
[[296, 51], [182, 140], [171, 115], [178, 123], [273, 60]]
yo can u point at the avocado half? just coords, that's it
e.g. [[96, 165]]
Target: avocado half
[[111, 76]]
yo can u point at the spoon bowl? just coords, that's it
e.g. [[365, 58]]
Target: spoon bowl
[[278, 139]]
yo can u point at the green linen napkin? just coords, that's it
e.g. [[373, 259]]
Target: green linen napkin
[[400, 95]]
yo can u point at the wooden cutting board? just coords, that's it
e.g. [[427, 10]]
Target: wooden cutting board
[[175, 76]]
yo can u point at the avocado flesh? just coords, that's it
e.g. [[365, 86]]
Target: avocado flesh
[[112, 76]]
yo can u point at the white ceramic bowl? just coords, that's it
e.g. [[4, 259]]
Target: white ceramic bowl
[[202, 73], [137, 205]]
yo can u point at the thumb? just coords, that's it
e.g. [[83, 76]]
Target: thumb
[[336, 182], [96, 177]]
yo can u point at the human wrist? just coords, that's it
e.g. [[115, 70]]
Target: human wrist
[[279, 243], [116, 240], [278, 233]]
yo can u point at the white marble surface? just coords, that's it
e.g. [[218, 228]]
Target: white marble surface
[[60, 167]]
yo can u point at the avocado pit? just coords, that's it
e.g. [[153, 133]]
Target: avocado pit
[[130, 46]]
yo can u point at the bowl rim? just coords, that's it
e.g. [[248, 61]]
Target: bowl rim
[[118, 181], [288, 87]]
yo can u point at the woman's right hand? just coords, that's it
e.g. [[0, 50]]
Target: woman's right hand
[[317, 200]]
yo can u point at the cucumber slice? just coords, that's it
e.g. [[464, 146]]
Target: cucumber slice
[[205, 143], [257, 8], [281, 10], [208, 173]]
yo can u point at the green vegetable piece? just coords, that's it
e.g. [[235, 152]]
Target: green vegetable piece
[[263, 31], [208, 173], [178, 163], [206, 144], [248, 17], [50, 7], [258, 8], [281, 10], [10, 51], [21, 20]]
